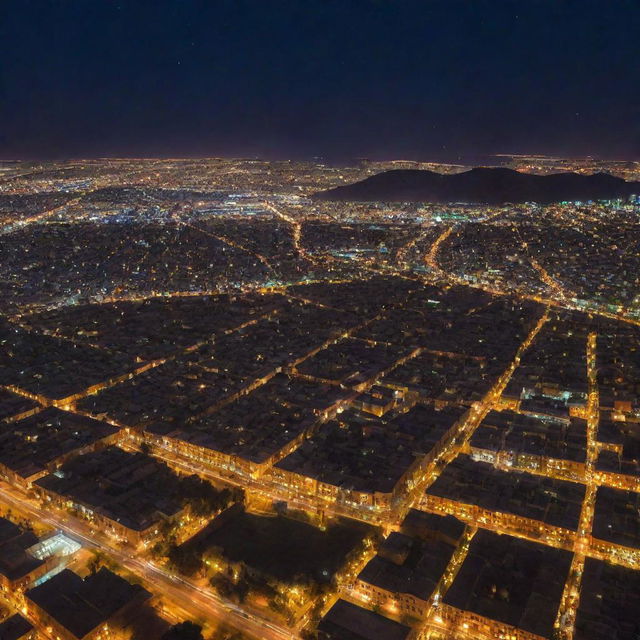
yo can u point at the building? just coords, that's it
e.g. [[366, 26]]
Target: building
[[408, 570], [346, 621], [537, 507], [21, 562], [609, 602], [17, 628], [506, 588], [72, 608], [42, 442], [127, 495]]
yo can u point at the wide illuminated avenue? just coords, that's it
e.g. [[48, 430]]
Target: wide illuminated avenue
[[226, 402]]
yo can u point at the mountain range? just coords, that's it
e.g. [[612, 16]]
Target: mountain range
[[482, 185]]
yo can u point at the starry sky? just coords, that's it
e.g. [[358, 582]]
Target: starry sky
[[337, 79]]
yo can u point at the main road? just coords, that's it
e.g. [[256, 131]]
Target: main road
[[198, 602]]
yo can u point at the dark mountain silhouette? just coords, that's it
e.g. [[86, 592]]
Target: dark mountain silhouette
[[481, 185]]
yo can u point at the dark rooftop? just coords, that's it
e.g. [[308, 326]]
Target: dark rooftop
[[617, 517], [555, 502], [346, 621], [29, 445], [14, 628], [82, 605], [609, 602], [511, 580], [131, 488]]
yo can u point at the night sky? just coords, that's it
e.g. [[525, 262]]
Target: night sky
[[333, 78]]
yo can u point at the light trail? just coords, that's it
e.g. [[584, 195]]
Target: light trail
[[457, 559], [554, 286], [231, 243], [468, 424], [565, 621], [402, 251], [446, 278], [431, 259], [192, 597], [24, 222], [296, 230], [277, 288]]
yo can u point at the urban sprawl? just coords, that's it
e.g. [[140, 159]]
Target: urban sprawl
[[225, 404]]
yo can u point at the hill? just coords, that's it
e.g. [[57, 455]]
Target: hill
[[482, 186]]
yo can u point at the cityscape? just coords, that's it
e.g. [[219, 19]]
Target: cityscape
[[320, 320], [235, 410]]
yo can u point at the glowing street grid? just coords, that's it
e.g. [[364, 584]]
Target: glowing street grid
[[226, 402]]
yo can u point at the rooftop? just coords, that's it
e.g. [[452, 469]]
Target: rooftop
[[512, 581], [346, 621], [81, 605]]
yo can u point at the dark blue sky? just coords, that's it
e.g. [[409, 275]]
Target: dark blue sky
[[334, 78]]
